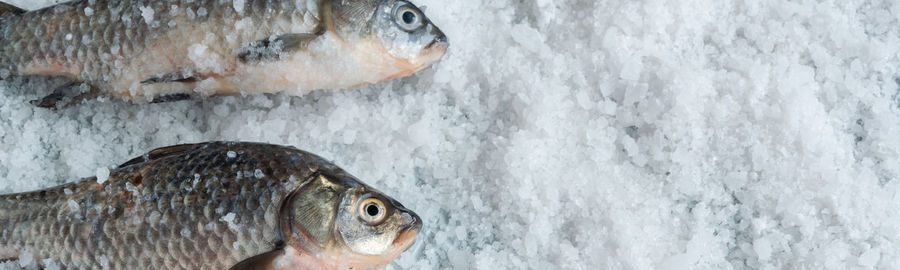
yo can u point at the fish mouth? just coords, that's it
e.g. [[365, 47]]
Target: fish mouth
[[437, 46], [434, 52], [430, 55], [407, 237], [440, 42]]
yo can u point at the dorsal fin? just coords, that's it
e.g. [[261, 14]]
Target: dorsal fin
[[7, 8], [160, 153]]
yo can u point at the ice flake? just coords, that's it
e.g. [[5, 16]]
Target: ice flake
[[73, 205], [102, 175], [26, 259], [229, 220], [50, 264], [104, 262], [763, 249], [243, 24], [238, 6], [186, 232], [147, 13], [204, 59]]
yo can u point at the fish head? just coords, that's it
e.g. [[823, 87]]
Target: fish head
[[398, 26], [349, 225]]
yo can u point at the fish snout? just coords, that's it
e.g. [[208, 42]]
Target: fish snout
[[410, 218], [441, 41], [440, 37], [416, 223], [407, 236]]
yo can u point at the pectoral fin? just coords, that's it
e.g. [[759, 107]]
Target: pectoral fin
[[161, 153], [174, 77], [183, 77], [172, 98], [262, 261], [65, 95], [274, 47]]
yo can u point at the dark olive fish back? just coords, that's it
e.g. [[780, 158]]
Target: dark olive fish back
[[203, 206]]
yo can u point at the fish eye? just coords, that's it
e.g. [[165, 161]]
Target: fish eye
[[372, 211], [408, 18]]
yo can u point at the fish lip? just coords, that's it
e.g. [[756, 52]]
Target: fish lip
[[436, 43], [407, 237], [441, 40]]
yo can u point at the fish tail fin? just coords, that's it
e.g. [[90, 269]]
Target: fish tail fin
[[7, 8]]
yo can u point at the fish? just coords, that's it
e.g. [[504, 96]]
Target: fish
[[164, 50], [215, 205]]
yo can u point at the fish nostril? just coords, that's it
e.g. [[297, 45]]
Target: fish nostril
[[413, 220], [441, 38], [416, 221]]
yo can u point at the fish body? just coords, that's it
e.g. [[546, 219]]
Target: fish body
[[209, 206], [143, 49]]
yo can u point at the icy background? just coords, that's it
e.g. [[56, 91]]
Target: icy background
[[578, 134]]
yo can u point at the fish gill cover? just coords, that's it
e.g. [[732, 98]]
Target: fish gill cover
[[578, 134]]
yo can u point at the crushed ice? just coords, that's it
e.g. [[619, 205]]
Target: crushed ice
[[102, 175], [575, 134]]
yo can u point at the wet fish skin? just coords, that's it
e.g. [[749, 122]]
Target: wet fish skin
[[215, 47], [207, 206]]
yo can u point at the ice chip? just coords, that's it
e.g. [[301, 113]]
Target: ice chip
[[104, 262], [528, 37], [632, 69], [147, 13], [763, 248], [50, 264], [229, 220], [73, 206], [26, 259], [102, 175], [239, 6], [186, 232], [869, 258]]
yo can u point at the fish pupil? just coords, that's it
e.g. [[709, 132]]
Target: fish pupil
[[409, 17], [372, 210]]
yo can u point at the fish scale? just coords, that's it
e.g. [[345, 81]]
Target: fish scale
[[139, 217], [34, 40]]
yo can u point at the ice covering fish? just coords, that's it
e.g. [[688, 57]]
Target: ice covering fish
[[145, 49], [209, 206]]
